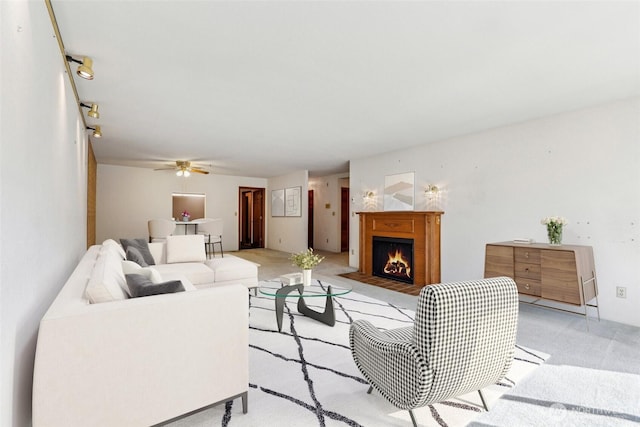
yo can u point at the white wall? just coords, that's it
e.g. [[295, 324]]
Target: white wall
[[326, 226], [128, 197], [499, 184], [43, 177], [288, 234]]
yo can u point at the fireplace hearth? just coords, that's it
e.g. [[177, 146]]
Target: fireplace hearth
[[393, 258]]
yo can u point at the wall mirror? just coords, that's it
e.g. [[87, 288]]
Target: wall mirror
[[191, 202]]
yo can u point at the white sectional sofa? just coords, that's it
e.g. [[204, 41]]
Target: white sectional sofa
[[140, 361]]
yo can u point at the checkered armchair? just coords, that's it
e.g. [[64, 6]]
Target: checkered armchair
[[462, 340]]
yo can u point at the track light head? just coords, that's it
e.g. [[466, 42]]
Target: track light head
[[85, 69], [93, 110], [97, 132]]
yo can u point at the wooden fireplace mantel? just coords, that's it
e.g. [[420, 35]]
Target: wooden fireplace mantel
[[421, 226]]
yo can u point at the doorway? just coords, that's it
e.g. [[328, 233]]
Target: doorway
[[251, 221]]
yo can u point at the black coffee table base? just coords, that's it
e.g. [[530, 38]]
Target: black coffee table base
[[328, 316]]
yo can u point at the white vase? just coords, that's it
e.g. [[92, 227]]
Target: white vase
[[306, 277]]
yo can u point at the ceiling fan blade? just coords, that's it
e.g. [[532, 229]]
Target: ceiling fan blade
[[166, 169], [195, 170]]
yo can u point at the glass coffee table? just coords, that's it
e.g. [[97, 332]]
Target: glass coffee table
[[317, 289]]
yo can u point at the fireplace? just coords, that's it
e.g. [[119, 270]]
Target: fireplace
[[393, 258], [423, 227]]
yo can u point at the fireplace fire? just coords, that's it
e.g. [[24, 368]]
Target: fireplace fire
[[393, 258]]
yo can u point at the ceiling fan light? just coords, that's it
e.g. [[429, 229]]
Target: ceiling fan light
[[85, 70], [93, 112], [97, 132], [179, 173], [186, 173]]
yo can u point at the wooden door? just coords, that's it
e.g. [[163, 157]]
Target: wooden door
[[344, 219], [310, 221], [257, 227], [251, 221]]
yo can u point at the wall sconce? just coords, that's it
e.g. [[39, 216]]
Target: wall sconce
[[368, 195], [93, 110], [97, 132], [431, 190], [85, 69]]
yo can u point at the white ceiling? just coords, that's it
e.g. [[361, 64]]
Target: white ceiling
[[269, 87]]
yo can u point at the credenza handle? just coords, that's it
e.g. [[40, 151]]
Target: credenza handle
[[526, 286]]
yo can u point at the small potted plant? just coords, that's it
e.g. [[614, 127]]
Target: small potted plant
[[306, 260], [185, 215]]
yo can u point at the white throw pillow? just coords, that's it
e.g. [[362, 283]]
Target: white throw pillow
[[186, 248], [130, 267], [116, 245], [153, 274]]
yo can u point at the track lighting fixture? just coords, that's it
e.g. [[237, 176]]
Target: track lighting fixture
[[93, 110], [97, 133], [85, 69]]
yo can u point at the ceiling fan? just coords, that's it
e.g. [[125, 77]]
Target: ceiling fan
[[184, 168]]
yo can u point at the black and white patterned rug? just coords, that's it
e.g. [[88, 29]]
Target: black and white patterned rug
[[305, 376]]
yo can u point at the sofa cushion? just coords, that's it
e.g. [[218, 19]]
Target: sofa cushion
[[186, 248], [140, 286], [142, 246], [230, 268], [107, 282], [198, 273]]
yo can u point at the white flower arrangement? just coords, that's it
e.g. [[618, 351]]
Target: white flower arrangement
[[306, 260], [554, 228], [554, 221]]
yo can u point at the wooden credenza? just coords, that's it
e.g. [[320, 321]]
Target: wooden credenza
[[563, 273]]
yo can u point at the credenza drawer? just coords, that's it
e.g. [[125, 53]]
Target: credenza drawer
[[527, 271], [529, 286], [527, 255]]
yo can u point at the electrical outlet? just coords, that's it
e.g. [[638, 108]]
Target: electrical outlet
[[621, 292], [353, 252]]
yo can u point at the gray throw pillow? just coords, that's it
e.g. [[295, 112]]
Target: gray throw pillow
[[133, 254], [140, 286], [142, 245]]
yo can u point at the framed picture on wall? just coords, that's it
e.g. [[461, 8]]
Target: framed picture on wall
[[292, 201], [277, 203], [399, 192]]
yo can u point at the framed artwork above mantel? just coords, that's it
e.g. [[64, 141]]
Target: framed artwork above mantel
[[399, 192]]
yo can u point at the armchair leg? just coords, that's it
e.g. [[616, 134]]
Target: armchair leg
[[413, 418], [370, 389], [484, 402]]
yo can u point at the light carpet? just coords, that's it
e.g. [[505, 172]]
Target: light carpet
[[305, 376]]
